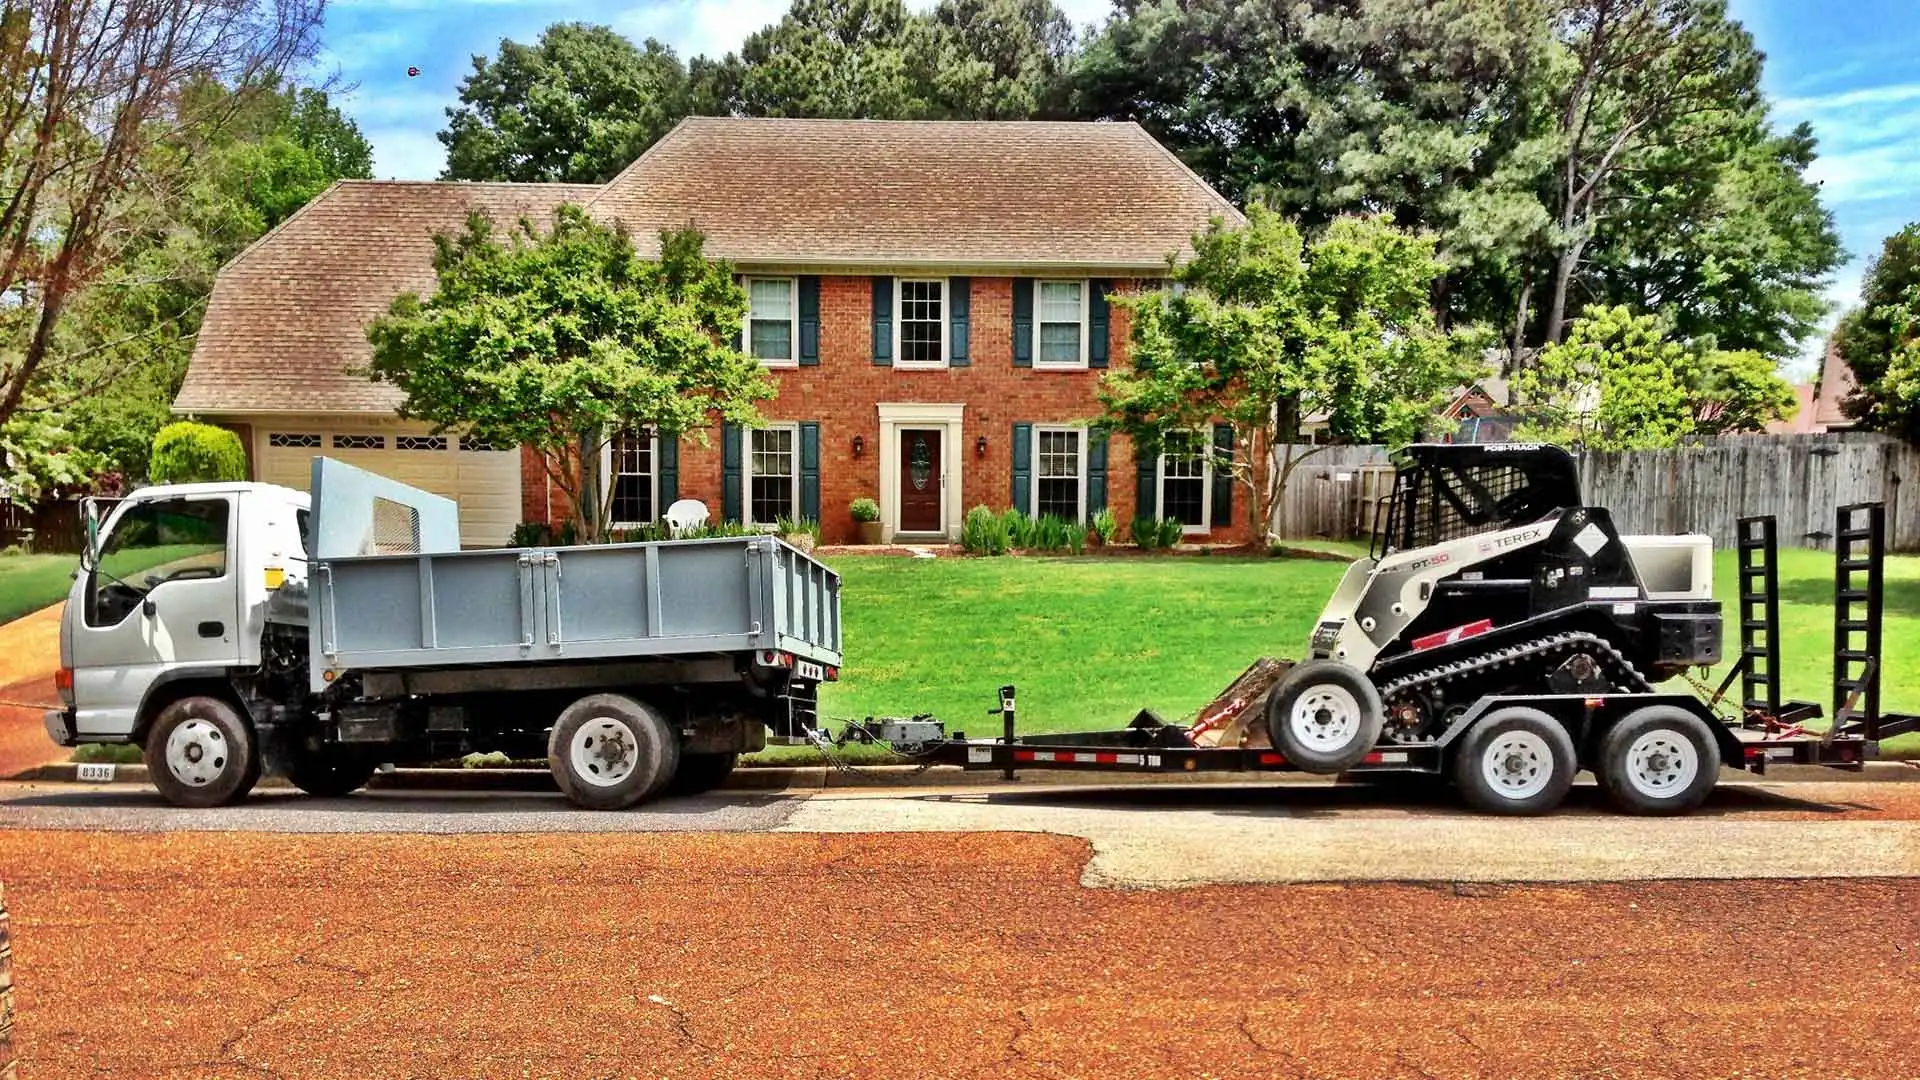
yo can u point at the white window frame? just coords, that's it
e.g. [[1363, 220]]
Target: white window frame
[[747, 474], [607, 479], [793, 320], [899, 324], [1086, 324], [1033, 495], [1205, 453]]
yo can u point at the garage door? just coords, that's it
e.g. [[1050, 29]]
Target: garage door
[[485, 483]]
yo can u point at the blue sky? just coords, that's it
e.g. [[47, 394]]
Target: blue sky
[[1849, 67]]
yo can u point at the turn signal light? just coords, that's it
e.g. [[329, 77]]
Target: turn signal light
[[63, 679]]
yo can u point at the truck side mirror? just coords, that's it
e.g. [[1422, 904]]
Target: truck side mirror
[[90, 518]]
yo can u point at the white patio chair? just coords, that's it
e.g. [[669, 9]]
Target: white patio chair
[[686, 515]]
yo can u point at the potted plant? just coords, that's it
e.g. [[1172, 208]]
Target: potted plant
[[866, 519]]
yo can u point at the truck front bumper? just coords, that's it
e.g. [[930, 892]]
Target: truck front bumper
[[60, 727]]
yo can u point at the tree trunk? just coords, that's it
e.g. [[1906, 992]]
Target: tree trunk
[[1562, 283], [1520, 326], [586, 501]]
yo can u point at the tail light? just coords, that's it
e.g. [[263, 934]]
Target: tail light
[[63, 680]]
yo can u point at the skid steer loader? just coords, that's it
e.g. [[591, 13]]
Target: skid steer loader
[[1489, 577]]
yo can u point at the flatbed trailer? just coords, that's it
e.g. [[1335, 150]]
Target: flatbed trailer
[[1767, 731]]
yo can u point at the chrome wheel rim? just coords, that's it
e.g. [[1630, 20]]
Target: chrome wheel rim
[[1325, 717], [603, 752], [197, 752], [1662, 764], [1517, 765]]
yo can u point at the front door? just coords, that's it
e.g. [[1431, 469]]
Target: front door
[[920, 481]]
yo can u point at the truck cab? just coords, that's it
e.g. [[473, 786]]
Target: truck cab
[[172, 596]]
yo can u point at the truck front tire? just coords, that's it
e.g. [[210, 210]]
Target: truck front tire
[[608, 752], [1516, 761], [1324, 716], [200, 753], [1660, 759]]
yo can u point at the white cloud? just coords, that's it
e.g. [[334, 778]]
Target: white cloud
[[1891, 94], [406, 154]]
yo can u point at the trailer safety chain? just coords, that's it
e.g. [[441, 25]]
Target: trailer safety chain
[[1622, 673], [830, 749]]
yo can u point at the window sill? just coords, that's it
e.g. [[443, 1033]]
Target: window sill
[[943, 366], [778, 365], [1038, 366]]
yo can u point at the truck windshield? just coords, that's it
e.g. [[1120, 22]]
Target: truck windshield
[[153, 543]]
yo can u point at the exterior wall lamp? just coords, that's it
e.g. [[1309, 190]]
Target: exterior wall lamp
[[859, 445], [980, 446]]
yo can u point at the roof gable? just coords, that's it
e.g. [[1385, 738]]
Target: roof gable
[[1006, 194]]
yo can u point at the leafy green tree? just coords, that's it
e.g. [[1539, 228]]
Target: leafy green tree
[[1875, 338], [578, 106], [187, 452], [829, 58], [995, 59], [1738, 390], [1262, 328], [560, 340], [1616, 383]]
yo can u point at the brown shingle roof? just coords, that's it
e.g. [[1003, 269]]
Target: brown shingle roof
[[983, 193], [1837, 384], [288, 315]]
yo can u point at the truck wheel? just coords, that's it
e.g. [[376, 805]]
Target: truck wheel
[[1658, 760], [1515, 761], [699, 773], [1324, 716], [608, 751], [327, 774], [200, 753]]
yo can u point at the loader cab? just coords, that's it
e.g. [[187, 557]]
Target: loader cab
[[1444, 491]]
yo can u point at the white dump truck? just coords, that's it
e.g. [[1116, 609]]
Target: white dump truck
[[238, 629]]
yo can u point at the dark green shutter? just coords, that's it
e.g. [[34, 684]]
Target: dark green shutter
[[960, 303], [1022, 467], [1146, 489], [1022, 322], [1097, 323], [730, 472], [883, 322], [667, 474], [1096, 472], [739, 332], [1222, 475], [809, 321], [810, 471]]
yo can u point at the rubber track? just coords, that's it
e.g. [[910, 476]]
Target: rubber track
[[1551, 650]]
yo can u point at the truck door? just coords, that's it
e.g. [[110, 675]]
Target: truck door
[[162, 596]]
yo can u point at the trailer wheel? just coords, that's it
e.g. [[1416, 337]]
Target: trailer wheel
[[1324, 716], [608, 751], [1515, 761], [200, 753], [327, 774], [701, 773], [1658, 760]]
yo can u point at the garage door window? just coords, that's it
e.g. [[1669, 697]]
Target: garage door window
[[420, 442], [359, 442], [293, 440]]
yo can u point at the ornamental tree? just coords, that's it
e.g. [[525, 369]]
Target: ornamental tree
[[1263, 329], [560, 340], [1616, 383]]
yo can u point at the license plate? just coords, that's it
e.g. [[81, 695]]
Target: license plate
[[807, 669]]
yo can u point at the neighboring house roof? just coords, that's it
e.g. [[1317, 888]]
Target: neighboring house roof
[[288, 315], [1008, 194], [1805, 419], [1837, 384]]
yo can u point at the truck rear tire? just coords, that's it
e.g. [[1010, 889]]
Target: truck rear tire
[[1661, 759], [1516, 761], [608, 752], [701, 773], [1324, 716], [327, 774], [200, 753]]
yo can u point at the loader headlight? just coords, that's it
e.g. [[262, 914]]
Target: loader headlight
[[1326, 634]]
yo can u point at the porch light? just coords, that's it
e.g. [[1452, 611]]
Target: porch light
[[980, 446], [859, 445]]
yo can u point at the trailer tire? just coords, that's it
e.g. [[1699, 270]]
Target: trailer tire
[[1324, 716], [701, 773], [608, 752], [326, 774], [1515, 761], [200, 753], [1660, 759]]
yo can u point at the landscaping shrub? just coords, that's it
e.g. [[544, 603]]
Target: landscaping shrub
[[1020, 529], [1049, 534], [1156, 534], [1076, 538], [191, 453], [787, 526], [1105, 527], [984, 532], [864, 510]]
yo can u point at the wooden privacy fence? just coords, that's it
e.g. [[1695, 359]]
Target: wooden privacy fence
[[1703, 488]]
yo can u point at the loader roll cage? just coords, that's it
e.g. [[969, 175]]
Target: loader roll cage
[[1444, 491]]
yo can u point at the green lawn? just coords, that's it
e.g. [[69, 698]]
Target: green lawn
[[1090, 641], [31, 582]]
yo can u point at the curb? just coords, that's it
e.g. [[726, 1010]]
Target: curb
[[745, 778]]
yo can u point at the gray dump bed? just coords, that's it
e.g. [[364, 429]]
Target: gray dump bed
[[427, 604]]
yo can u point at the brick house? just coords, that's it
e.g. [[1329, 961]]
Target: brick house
[[931, 297]]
